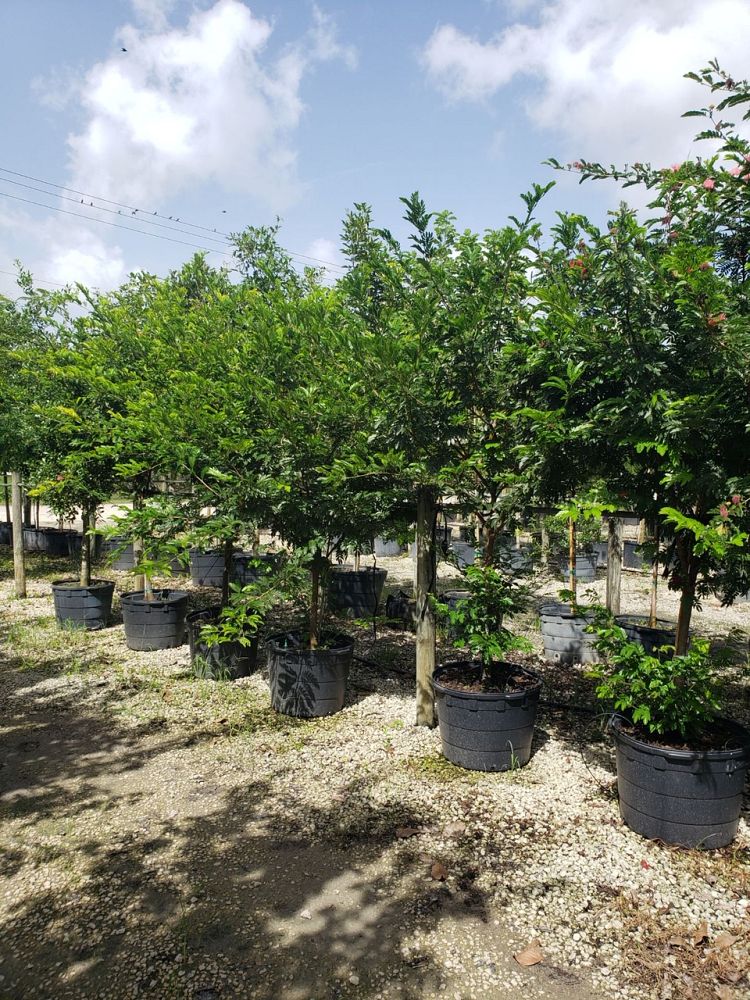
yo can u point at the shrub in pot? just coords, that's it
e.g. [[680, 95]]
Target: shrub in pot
[[486, 707], [224, 640], [681, 767]]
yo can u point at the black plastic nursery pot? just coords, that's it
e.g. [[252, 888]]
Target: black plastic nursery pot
[[223, 660], [564, 635], [684, 797], [158, 623], [52, 541], [247, 568], [486, 730], [585, 567], [6, 533], [637, 629], [632, 556], [308, 683], [124, 561], [83, 607], [207, 567], [355, 592]]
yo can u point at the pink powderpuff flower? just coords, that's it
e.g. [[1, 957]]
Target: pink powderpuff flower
[[709, 184], [675, 167], [724, 511], [736, 499], [746, 178], [736, 170]]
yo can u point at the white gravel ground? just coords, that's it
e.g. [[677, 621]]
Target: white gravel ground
[[169, 837]]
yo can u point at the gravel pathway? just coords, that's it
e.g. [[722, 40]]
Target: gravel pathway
[[163, 836]]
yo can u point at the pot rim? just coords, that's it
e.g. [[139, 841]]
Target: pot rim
[[641, 622], [348, 642], [370, 570], [163, 596], [94, 585], [486, 695], [682, 756], [561, 610]]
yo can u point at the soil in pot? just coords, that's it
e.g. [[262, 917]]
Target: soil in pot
[[689, 797], [305, 682], [486, 714], [637, 629], [564, 635], [355, 592], [154, 624], [222, 660], [83, 607]]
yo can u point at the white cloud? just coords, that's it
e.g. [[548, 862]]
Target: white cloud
[[153, 13], [609, 74], [322, 252], [201, 103]]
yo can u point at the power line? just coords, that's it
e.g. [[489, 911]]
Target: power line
[[115, 225], [225, 237], [41, 281]]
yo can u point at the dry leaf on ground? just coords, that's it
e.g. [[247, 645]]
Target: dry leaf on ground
[[531, 954]]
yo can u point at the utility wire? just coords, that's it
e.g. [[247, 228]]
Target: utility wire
[[40, 281], [145, 214]]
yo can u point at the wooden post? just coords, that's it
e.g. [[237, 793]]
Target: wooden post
[[425, 615], [19, 569], [614, 565]]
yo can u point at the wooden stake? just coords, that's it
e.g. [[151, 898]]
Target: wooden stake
[[614, 565], [19, 569], [425, 615]]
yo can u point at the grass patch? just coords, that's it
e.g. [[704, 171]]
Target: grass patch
[[438, 768]]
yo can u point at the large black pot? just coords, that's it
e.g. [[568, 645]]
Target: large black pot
[[51, 541], [637, 629], [155, 624], [223, 660], [690, 798], [83, 607], [486, 731], [124, 560], [6, 533], [355, 592], [585, 567], [632, 556], [308, 682], [247, 568], [207, 567], [564, 635], [387, 547]]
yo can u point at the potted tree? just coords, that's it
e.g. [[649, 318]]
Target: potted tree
[[681, 768], [486, 705], [154, 618]]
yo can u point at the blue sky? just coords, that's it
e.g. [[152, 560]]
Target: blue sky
[[224, 113]]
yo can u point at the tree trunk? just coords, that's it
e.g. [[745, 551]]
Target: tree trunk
[[228, 552], [572, 559], [489, 548], [19, 569], [36, 514], [425, 614], [654, 579], [544, 535], [315, 599], [689, 574], [614, 565], [26, 509], [140, 580], [86, 524], [6, 488]]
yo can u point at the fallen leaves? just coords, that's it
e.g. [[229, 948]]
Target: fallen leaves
[[439, 872], [531, 955], [404, 832]]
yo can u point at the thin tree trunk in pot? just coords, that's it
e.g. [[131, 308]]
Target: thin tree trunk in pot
[[6, 488], [425, 615], [26, 509], [19, 569], [689, 573], [614, 565], [228, 551], [572, 558], [86, 520], [654, 579], [315, 600], [544, 540], [140, 580]]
